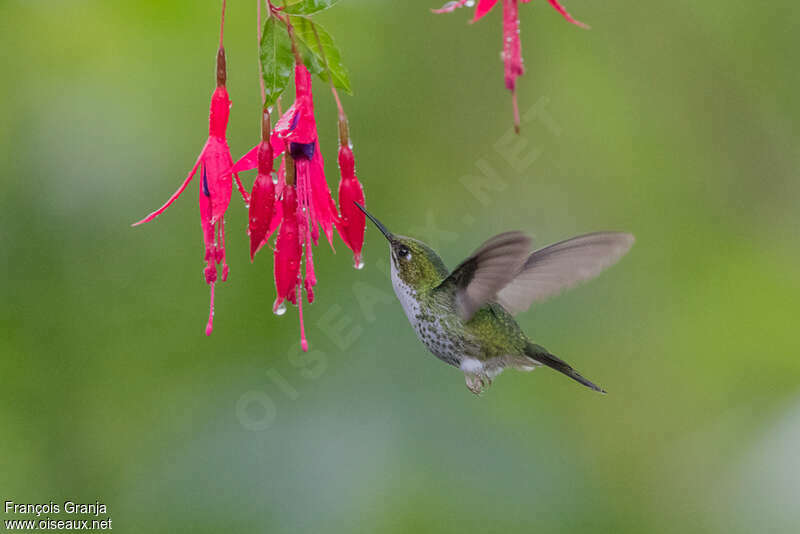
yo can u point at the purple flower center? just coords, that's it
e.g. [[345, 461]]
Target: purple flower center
[[301, 150], [295, 120], [206, 192]]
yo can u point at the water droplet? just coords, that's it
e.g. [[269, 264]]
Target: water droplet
[[274, 178], [359, 265], [280, 310]]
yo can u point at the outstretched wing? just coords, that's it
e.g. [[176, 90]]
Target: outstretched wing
[[563, 265], [490, 268]]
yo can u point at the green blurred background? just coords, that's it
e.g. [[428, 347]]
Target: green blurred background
[[676, 121]]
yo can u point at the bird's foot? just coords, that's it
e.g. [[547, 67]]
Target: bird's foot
[[476, 383]]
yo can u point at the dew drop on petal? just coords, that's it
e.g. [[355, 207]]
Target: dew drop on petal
[[280, 310], [359, 264], [274, 177]]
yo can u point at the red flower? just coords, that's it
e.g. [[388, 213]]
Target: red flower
[[512, 48], [512, 52], [305, 200], [262, 196], [298, 129], [353, 221], [484, 6], [293, 240], [288, 251], [215, 185]]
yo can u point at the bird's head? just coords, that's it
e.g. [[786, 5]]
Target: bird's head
[[413, 262]]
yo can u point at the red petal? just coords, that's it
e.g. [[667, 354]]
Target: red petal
[[298, 125], [220, 112], [484, 6], [217, 166], [324, 206], [177, 193], [262, 204], [288, 252], [352, 222], [558, 7]]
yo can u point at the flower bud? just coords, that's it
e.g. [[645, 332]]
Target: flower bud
[[288, 252], [262, 200]]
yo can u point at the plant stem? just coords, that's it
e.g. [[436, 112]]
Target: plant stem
[[344, 130], [259, 31]]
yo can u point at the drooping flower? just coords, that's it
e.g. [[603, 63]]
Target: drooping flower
[[512, 48], [262, 195], [353, 221], [298, 129], [288, 251], [305, 203], [484, 6], [292, 243], [215, 166], [512, 52]]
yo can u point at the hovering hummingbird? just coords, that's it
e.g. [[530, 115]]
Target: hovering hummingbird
[[465, 317]]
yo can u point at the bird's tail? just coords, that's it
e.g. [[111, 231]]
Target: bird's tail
[[541, 355]]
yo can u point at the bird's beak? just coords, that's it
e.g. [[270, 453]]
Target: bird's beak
[[380, 226]]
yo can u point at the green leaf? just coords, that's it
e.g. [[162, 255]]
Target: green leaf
[[277, 60], [304, 31], [312, 62], [307, 7]]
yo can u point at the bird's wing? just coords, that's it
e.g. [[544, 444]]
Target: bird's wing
[[560, 266], [490, 268]]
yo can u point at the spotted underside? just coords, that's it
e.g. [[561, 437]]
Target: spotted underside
[[482, 346]]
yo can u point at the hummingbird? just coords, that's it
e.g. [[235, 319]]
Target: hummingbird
[[465, 317]]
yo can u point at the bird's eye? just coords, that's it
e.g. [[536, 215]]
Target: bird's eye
[[403, 252]]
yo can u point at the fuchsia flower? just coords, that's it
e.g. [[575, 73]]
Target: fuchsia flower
[[512, 48], [298, 130], [262, 195], [215, 164], [484, 6], [353, 221], [301, 203], [294, 203], [288, 251]]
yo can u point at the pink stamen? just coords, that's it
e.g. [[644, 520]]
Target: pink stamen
[[303, 340], [558, 7], [221, 248], [210, 324]]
